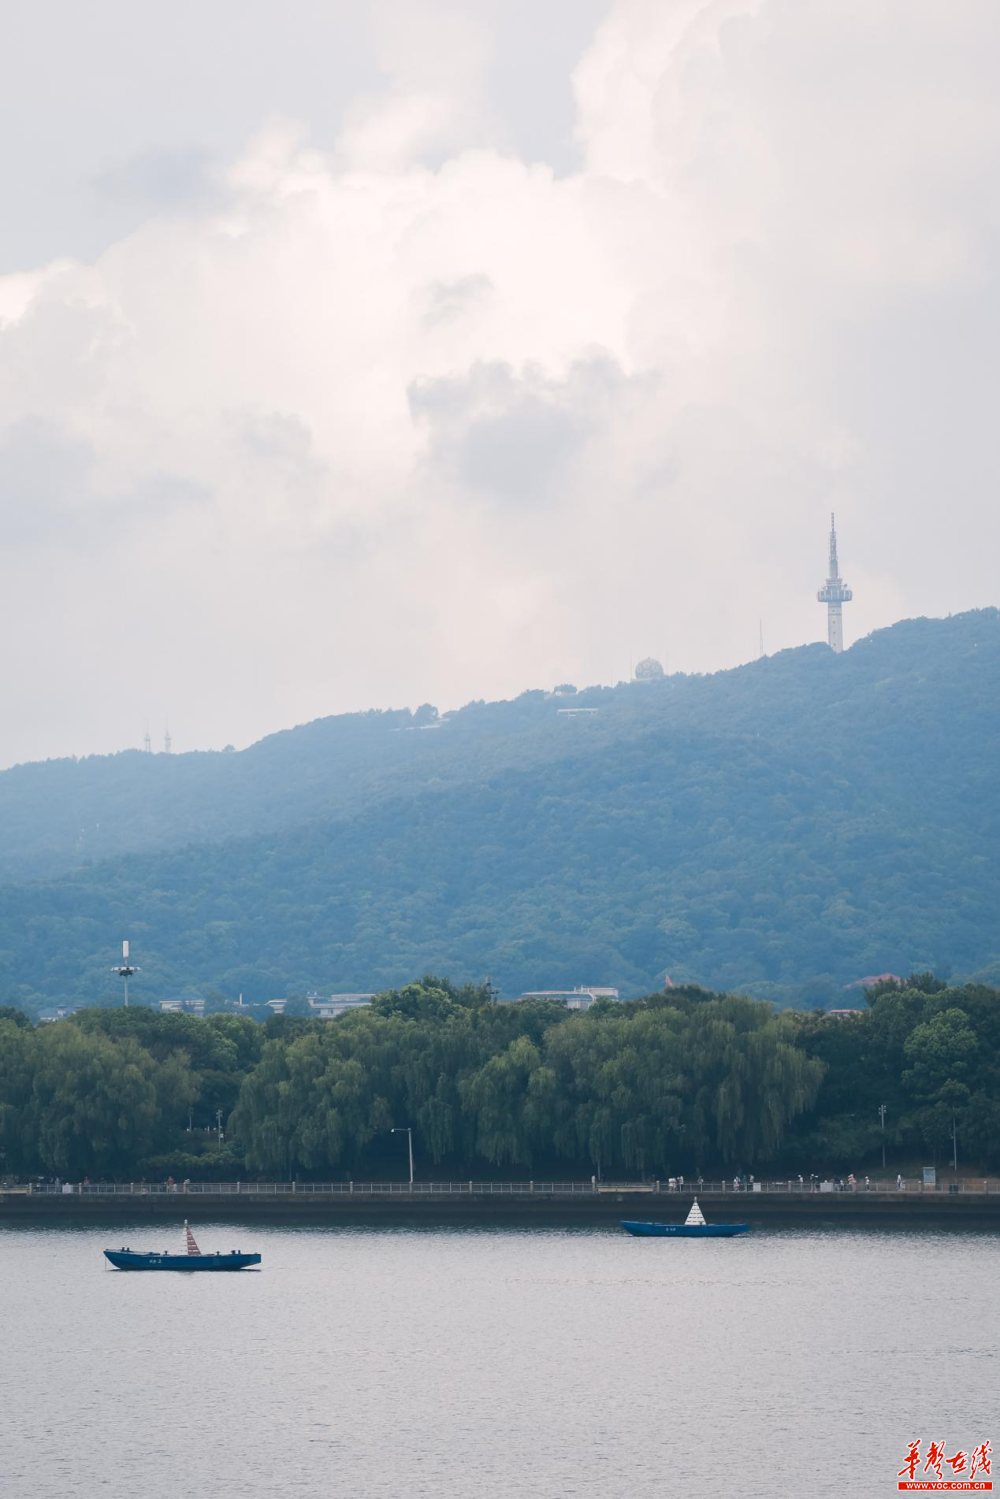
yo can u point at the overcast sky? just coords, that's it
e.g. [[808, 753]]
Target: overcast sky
[[367, 354]]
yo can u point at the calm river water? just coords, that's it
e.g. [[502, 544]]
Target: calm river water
[[493, 1363]]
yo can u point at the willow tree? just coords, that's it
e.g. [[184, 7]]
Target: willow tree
[[751, 1078], [97, 1105]]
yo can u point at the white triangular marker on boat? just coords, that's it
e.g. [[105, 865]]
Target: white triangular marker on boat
[[696, 1216], [192, 1246]]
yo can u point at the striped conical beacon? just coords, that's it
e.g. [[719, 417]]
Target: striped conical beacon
[[192, 1246]]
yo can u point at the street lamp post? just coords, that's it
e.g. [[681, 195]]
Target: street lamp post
[[407, 1130], [954, 1143], [881, 1115]]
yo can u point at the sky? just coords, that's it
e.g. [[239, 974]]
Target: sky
[[383, 352]]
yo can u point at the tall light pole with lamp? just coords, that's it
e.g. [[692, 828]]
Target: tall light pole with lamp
[[407, 1130], [125, 970], [881, 1115]]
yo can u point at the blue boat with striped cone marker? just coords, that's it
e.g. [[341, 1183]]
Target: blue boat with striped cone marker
[[693, 1227], [193, 1259]]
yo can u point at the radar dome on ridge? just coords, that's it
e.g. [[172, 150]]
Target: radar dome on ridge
[[648, 670]]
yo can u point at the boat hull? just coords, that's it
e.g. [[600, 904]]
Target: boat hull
[[685, 1230], [128, 1259]]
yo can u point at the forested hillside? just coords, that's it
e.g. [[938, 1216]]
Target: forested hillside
[[784, 828]]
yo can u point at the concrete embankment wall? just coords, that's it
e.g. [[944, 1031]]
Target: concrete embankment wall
[[601, 1207]]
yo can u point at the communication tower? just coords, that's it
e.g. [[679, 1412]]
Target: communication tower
[[834, 594], [167, 741]]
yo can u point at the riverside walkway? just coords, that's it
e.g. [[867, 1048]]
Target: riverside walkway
[[962, 1200]]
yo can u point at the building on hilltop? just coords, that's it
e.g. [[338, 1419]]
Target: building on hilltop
[[834, 594], [60, 1012]]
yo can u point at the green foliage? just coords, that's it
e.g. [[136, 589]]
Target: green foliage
[[783, 829], [930, 1053], [76, 1102], [685, 1081], [940, 1052], [623, 1088], [216, 1163]]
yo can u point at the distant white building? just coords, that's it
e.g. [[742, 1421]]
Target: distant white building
[[183, 1007], [325, 1007], [60, 1012], [573, 999], [337, 1004]]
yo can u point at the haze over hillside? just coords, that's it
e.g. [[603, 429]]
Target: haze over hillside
[[785, 828]]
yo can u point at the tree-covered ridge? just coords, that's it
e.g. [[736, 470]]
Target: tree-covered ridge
[[59, 815], [684, 1082], [783, 829]]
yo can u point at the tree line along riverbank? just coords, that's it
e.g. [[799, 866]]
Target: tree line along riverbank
[[680, 1083]]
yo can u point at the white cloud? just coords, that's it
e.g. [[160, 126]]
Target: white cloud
[[355, 429]]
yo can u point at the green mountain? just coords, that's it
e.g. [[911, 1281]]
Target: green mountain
[[784, 828]]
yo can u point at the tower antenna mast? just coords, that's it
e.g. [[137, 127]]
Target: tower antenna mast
[[834, 594], [125, 970]]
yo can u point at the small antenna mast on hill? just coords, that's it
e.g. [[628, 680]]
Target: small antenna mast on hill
[[760, 640], [147, 743], [125, 970], [167, 741]]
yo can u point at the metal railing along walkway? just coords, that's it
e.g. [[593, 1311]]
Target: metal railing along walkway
[[980, 1186]]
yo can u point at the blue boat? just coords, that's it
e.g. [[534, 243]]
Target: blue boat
[[193, 1259], [693, 1227]]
